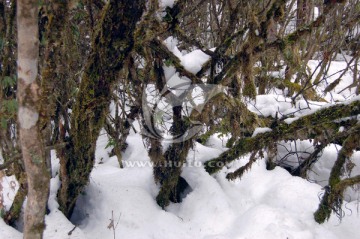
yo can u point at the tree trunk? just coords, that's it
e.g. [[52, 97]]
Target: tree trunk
[[168, 171], [29, 96], [112, 43]]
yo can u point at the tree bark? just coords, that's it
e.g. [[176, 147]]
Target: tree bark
[[112, 42], [28, 96], [167, 172]]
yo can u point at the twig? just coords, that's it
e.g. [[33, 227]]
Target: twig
[[112, 226], [71, 231]]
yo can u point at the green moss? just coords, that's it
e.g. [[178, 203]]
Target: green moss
[[203, 138], [285, 131], [292, 38], [168, 17], [322, 214], [230, 142], [36, 159], [249, 89], [332, 199], [293, 87], [38, 229]]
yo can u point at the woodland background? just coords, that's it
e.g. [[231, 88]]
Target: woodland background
[[70, 70]]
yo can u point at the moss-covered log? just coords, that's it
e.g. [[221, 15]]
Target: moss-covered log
[[113, 41], [303, 128]]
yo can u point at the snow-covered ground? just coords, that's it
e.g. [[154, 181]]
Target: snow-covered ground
[[263, 204]]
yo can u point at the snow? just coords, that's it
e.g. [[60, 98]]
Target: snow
[[277, 104], [334, 72], [260, 131], [9, 232], [263, 204], [58, 226], [321, 170], [166, 3], [192, 61], [8, 188], [287, 157], [178, 85]]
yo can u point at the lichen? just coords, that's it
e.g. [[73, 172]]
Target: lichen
[[27, 117]]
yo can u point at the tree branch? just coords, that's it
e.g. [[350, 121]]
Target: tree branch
[[283, 131], [162, 50]]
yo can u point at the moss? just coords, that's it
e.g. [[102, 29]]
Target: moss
[[346, 151], [293, 87], [324, 211], [168, 172], [112, 42], [36, 159], [239, 172], [168, 169], [292, 38], [230, 142], [276, 11], [168, 17], [270, 165], [249, 89], [284, 131], [332, 199], [203, 138]]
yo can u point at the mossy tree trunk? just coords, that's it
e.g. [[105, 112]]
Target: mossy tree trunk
[[167, 172], [52, 32], [167, 165], [29, 115], [112, 42]]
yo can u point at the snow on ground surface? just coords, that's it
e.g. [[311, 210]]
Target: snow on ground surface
[[263, 204]]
